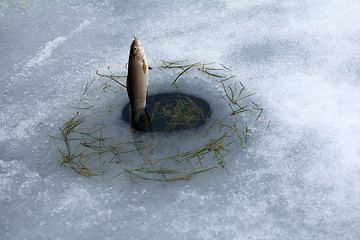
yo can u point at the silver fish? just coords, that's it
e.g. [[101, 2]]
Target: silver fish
[[138, 76], [140, 120]]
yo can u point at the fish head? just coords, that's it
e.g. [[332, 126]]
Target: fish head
[[137, 52]]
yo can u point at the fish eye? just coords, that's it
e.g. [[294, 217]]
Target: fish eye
[[134, 49]]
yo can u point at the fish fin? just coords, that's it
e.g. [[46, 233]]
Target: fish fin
[[147, 92], [144, 66]]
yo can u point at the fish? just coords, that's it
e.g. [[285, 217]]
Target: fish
[[140, 120], [137, 82]]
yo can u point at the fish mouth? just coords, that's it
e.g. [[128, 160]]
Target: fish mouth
[[136, 41]]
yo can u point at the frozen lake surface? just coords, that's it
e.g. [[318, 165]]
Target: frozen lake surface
[[298, 177]]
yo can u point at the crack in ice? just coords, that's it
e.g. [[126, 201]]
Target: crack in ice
[[46, 52]]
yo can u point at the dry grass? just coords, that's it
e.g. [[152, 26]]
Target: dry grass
[[86, 150]]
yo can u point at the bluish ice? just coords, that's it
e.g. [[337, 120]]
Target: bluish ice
[[298, 177]]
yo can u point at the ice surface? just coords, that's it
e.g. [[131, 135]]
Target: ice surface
[[298, 178]]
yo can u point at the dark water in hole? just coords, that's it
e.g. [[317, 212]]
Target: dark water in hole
[[169, 112]]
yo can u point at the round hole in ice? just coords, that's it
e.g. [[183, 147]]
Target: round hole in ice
[[172, 111]]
